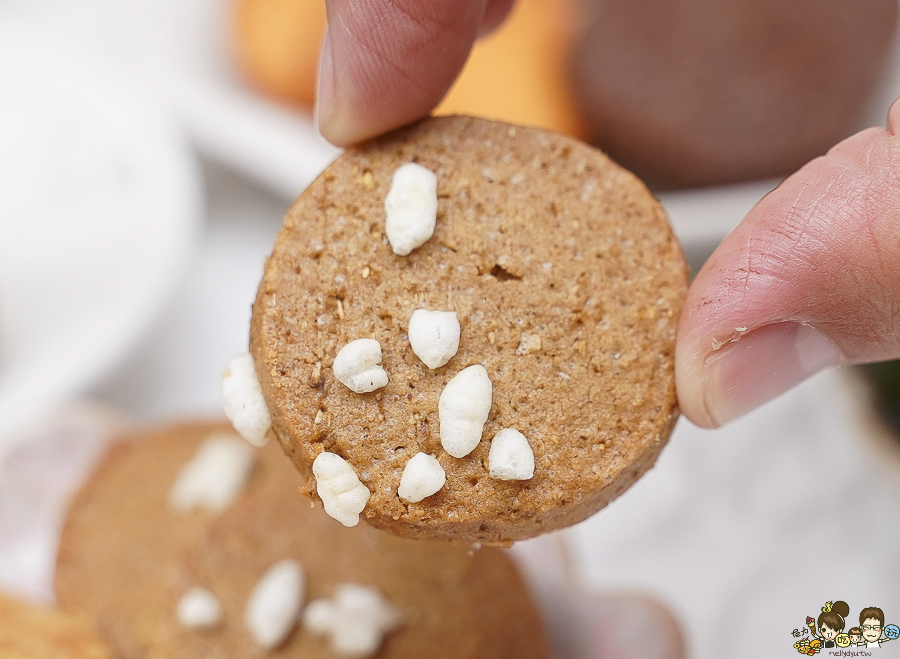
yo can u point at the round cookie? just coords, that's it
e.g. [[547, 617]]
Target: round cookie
[[127, 559], [455, 603], [688, 92], [567, 283], [121, 554]]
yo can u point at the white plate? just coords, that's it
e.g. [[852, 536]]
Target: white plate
[[272, 144], [99, 207]]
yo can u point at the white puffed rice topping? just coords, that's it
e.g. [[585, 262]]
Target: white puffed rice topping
[[355, 620], [214, 476], [275, 603], [243, 400], [357, 366], [422, 477], [463, 410], [411, 207], [199, 609], [340, 489], [434, 336], [510, 457]]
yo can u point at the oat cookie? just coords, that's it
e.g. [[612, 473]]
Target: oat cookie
[[567, 283], [121, 555], [454, 603], [130, 561]]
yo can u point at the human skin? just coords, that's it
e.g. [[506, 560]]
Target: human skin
[[809, 279]]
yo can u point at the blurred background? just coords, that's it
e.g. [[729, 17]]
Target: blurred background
[[149, 150]]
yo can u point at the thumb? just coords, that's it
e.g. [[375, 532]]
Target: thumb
[[385, 63], [810, 278]]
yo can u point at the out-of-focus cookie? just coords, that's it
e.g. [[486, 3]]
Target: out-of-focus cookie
[[29, 632], [121, 555], [169, 585], [566, 282], [453, 602], [700, 92]]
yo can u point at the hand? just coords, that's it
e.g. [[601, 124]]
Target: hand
[[386, 63], [811, 278]]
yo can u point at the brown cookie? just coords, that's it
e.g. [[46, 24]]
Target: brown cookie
[[128, 559], [701, 92], [567, 283], [121, 555], [28, 632], [455, 603]]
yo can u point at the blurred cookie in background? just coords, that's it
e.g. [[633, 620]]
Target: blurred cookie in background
[[702, 92], [29, 632], [189, 543], [127, 530]]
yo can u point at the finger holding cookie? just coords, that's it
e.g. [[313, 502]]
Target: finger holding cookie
[[808, 280], [385, 64]]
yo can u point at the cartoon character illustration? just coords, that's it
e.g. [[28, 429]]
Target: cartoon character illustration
[[805, 646], [855, 634], [871, 620], [830, 622]]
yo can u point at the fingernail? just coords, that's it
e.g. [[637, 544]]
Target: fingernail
[[325, 96], [762, 364]]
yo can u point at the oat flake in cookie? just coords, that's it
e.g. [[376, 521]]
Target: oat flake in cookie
[[540, 241]]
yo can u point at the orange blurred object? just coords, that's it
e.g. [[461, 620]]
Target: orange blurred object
[[517, 74], [277, 44]]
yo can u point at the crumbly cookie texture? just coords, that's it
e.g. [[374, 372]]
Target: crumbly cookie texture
[[567, 283]]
